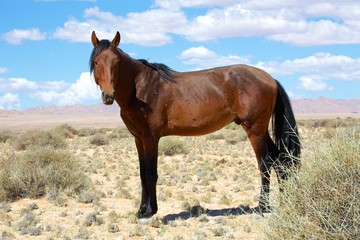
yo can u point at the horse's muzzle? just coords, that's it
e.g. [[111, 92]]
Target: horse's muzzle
[[108, 99]]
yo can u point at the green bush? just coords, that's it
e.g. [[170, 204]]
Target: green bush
[[170, 146], [32, 173], [321, 201], [37, 138]]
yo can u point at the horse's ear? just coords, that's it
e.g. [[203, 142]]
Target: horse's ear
[[94, 39], [116, 39]]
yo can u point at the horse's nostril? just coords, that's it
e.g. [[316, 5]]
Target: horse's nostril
[[108, 99]]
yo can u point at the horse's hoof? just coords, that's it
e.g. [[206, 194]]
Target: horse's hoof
[[146, 214], [261, 209]]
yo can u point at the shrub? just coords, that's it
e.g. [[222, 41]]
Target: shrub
[[120, 132], [32, 173], [88, 197], [36, 138], [86, 132], [27, 225], [99, 139], [66, 130], [215, 136], [170, 146], [5, 135], [321, 201], [234, 137]]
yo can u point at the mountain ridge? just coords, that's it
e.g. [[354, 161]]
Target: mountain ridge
[[300, 106]]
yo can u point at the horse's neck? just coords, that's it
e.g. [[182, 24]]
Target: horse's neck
[[125, 89]]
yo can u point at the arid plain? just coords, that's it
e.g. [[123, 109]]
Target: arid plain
[[217, 172]]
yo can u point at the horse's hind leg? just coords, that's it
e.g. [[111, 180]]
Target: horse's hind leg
[[266, 153]]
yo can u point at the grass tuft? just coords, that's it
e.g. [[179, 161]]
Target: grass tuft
[[37, 138], [66, 130], [322, 200], [99, 139], [5, 135], [169, 146], [32, 173]]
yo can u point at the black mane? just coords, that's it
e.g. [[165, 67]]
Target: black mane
[[165, 71], [102, 46]]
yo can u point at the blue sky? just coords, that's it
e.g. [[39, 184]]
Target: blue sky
[[311, 47]]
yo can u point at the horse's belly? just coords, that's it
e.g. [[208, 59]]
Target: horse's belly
[[195, 121]]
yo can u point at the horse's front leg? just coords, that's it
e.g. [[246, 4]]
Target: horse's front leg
[[148, 153], [144, 188]]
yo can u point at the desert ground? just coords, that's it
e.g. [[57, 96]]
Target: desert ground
[[217, 172]]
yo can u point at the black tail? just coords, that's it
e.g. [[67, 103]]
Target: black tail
[[285, 130]]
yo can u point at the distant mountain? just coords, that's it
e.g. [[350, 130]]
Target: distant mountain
[[77, 109], [300, 106], [326, 105]]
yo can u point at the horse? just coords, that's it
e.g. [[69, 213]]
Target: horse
[[156, 101]]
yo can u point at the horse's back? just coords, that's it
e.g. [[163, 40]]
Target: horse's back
[[238, 74]]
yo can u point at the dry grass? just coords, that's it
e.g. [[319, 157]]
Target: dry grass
[[201, 181], [99, 139], [37, 138], [322, 200], [66, 130], [33, 173], [5, 135], [170, 146]]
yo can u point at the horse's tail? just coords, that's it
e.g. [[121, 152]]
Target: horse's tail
[[285, 130]]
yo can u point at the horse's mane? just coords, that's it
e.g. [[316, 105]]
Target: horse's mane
[[165, 71], [102, 46]]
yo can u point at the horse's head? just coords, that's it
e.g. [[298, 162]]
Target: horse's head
[[104, 63]]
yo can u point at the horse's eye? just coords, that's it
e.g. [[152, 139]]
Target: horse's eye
[[96, 63]]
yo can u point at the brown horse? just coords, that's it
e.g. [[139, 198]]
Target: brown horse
[[156, 101]]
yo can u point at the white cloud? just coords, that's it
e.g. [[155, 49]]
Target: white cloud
[[50, 92], [74, 31], [313, 84], [313, 71], [237, 21], [323, 32], [326, 65], [9, 101], [177, 4], [303, 23], [148, 28], [16, 36], [3, 70], [82, 90], [25, 86], [22, 83], [203, 58], [197, 52]]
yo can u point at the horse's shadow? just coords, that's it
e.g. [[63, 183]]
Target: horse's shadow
[[196, 211]]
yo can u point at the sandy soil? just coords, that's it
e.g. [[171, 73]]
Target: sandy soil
[[21, 122], [215, 173]]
